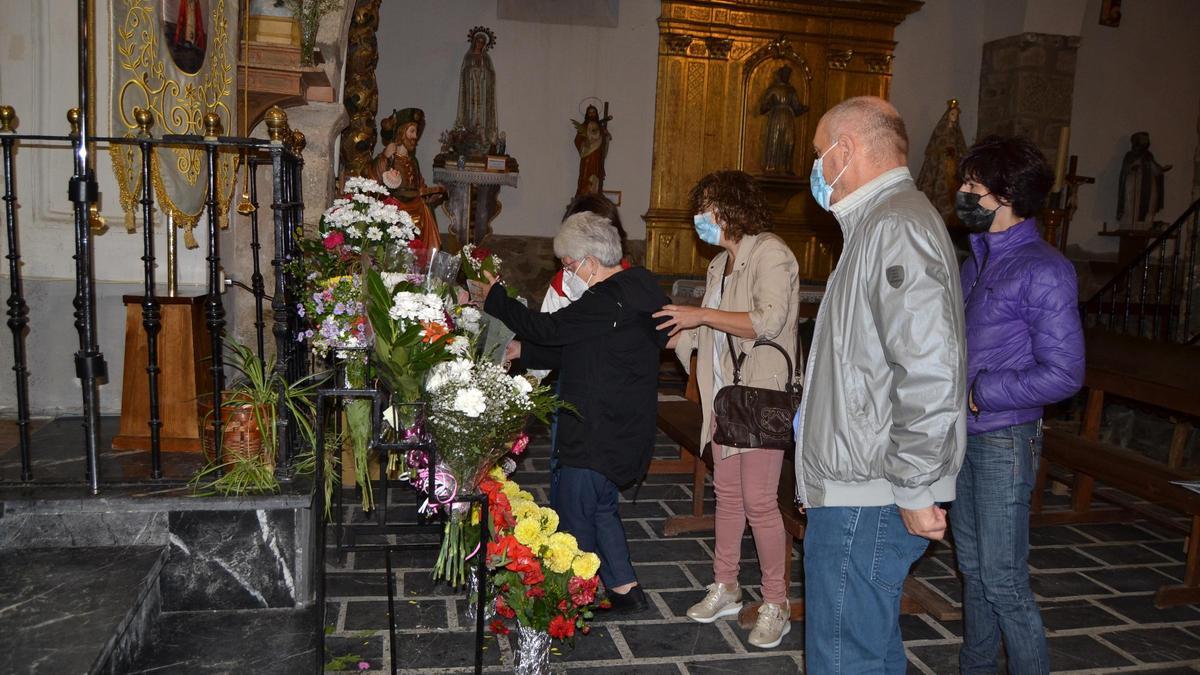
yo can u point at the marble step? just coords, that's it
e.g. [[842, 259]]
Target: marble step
[[262, 641], [76, 610]]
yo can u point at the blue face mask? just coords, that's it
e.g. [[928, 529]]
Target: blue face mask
[[822, 191], [707, 228]]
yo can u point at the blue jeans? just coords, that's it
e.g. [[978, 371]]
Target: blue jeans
[[587, 508], [990, 522], [855, 563]]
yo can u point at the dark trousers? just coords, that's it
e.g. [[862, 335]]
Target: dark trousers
[[586, 503]]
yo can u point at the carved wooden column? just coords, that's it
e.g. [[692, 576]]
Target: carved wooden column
[[716, 58]]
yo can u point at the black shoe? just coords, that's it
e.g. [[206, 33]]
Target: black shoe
[[627, 603]]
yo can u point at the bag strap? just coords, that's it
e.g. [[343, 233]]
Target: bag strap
[[739, 359]]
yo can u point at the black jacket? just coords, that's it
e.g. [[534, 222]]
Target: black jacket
[[606, 348]]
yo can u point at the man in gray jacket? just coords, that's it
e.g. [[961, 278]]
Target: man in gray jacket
[[881, 432]]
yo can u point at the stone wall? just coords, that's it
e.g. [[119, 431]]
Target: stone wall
[[1025, 87]]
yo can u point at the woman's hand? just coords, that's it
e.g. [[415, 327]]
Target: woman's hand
[[680, 317], [512, 352], [479, 290]]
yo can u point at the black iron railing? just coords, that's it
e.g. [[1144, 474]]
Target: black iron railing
[[282, 153], [1153, 295]]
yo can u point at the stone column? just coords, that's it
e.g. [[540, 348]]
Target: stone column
[[1025, 86]]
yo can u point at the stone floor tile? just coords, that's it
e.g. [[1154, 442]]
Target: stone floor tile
[[755, 663], [1078, 652], [1129, 579], [444, 649], [1124, 554], [597, 645], [914, 627], [1072, 614], [662, 576], [1056, 535], [1064, 584], [673, 639], [1141, 609], [356, 649], [364, 615], [677, 550], [1156, 645], [1060, 558], [1117, 532], [355, 584]]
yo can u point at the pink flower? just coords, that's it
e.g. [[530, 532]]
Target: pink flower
[[363, 665], [333, 240], [520, 444]]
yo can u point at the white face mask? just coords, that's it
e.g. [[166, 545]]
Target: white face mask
[[574, 286]]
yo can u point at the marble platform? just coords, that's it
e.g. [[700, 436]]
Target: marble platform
[[147, 577], [76, 610]]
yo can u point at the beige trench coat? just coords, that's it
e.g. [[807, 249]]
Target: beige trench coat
[[765, 282]]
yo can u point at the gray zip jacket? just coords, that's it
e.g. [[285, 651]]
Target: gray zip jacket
[[883, 419]]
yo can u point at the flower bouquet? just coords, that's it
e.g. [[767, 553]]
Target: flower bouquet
[[541, 578], [478, 263], [477, 413]]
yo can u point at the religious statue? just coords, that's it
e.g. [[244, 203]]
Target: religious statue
[[781, 105], [591, 140], [397, 169], [1140, 192], [939, 172], [186, 36], [477, 91]]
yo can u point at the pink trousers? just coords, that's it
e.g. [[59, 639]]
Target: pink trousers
[[747, 485]]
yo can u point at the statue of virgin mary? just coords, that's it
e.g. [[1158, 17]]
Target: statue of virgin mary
[[477, 89]]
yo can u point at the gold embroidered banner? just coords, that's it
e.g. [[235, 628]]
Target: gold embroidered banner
[[177, 59]]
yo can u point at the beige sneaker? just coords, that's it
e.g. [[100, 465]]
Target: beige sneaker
[[721, 601], [774, 621]]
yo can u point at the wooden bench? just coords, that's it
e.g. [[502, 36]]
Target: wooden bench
[[1162, 375], [681, 422]]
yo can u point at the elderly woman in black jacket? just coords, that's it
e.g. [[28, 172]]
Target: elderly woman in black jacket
[[605, 347]]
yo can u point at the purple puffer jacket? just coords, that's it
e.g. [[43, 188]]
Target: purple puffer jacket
[[1024, 339]]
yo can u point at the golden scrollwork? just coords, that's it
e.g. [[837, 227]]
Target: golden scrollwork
[[361, 92], [144, 78]]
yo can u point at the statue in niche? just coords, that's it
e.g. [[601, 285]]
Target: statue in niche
[[1140, 193], [939, 172], [397, 169], [782, 106], [477, 92], [591, 140]]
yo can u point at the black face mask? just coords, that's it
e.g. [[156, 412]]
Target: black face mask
[[973, 216]]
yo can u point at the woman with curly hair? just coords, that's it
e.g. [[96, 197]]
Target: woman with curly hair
[[752, 293]]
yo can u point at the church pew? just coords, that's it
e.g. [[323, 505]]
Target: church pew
[[1154, 373]]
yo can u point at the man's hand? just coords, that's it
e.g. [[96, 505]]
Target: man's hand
[[512, 352], [680, 317], [929, 522]]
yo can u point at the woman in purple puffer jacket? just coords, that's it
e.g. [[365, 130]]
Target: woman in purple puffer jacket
[[1024, 351]]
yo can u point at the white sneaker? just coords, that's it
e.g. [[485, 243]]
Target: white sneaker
[[721, 601], [774, 621]]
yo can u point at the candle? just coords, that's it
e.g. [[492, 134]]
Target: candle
[[1060, 164]]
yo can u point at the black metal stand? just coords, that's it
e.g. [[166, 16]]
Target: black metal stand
[[329, 400]]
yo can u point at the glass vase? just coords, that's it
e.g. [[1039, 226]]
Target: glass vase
[[533, 651], [308, 41]]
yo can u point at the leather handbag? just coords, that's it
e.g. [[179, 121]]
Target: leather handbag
[[752, 417]]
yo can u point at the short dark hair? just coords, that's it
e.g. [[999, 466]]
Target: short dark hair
[[737, 199], [1012, 169], [600, 205]]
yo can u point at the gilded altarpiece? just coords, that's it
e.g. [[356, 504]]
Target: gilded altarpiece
[[715, 61]]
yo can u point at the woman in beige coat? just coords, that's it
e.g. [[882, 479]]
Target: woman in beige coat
[[752, 293]]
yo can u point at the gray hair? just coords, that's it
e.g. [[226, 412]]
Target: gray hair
[[588, 234], [875, 122]]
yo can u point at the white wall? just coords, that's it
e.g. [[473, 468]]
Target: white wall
[[1138, 77], [543, 71]]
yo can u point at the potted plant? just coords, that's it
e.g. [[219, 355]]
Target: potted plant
[[249, 412]]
